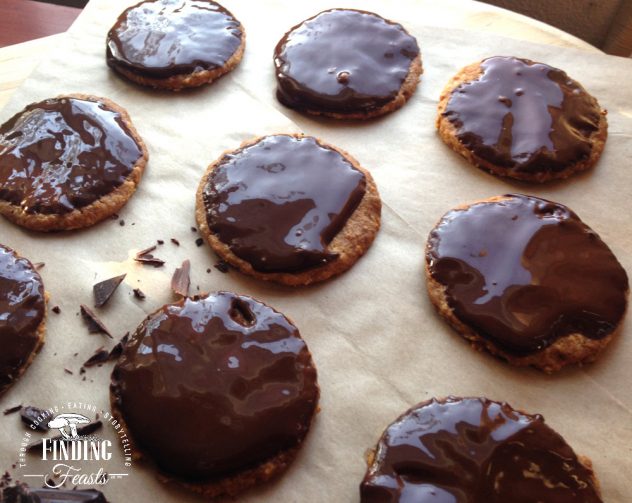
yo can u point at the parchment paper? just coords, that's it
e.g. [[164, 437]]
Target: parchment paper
[[378, 344]]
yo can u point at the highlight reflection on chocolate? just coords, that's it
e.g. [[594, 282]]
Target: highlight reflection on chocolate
[[524, 272], [525, 116], [22, 310], [279, 202], [474, 450], [63, 154], [343, 60], [162, 38], [212, 386]]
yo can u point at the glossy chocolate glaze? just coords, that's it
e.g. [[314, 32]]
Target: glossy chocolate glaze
[[22, 309], [213, 386], [524, 116], [63, 154], [163, 38], [473, 450], [344, 61], [278, 203], [525, 271]]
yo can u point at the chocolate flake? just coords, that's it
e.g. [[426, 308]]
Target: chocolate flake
[[193, 229], [160, 242], [121, 222], [145, 257], [117, 350], [222, 266], [13, 409], [175, 241], [56, 310], [139, 294], [100, 356], [104, 290], [181, 280], [199, 241], [95, 326], [32, 417], [68, 371]]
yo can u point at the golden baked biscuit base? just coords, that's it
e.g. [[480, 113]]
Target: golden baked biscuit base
[[353, 240], [573, 348], [448, 133], [186, 80], [96, 211], [407, 89]]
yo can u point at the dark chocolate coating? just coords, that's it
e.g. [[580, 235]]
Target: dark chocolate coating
[[279, 202], [163, 38], [22, 310], [523, 116], [343, 61], [63, 154], [524, 272], [474, 450], [213, 386]]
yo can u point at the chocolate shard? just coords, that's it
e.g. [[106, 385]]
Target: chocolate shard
[[95, 326], [34, 417], [222, 266], [86, 429], [145, 257], [117, 350], [181, 281], [104, 290], [12, 410], [99, 356], [138, 293]]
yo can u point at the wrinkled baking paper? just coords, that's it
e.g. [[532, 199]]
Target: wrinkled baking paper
[[378, 344]]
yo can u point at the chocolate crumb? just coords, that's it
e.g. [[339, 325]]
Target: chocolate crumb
[[95, 326], [99, 356], [82, 371], [160, 242], [175, 241], [222, 266], [193, 229], [68, 371], [208, 270], [181, 281], [11, 410], [199, 241], [56, 310], [121, 222], [139, 294], [105, 289], [34, 417]]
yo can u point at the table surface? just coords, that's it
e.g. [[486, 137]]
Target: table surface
[[26, 18]]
